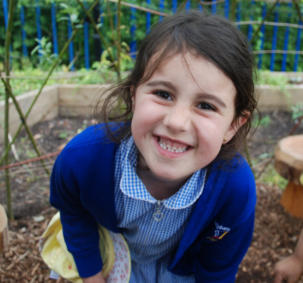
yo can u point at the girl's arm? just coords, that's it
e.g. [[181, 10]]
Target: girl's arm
[[98, 278], [291, 268], [80, 229], [81, 188]]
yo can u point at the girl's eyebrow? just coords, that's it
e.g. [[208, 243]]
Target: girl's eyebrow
[[159, 83]]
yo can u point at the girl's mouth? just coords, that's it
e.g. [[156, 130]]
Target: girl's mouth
[[172, 146]]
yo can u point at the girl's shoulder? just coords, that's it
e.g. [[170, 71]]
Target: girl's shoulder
[[95, 134], [234, 183], [236, 168], [88, 148]]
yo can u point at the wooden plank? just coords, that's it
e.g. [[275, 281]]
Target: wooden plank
[[80, 100], [272, 98], [3, 230], [45, 108]]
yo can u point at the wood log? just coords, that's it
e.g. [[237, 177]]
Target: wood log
[[289, 164], [292, 199], [3, 230]]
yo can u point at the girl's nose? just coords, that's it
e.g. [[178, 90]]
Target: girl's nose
[[177, 119]]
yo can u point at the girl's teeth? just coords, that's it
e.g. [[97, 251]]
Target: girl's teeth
[[171, 148]]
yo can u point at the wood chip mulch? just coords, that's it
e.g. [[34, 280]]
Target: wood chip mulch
[[21, 262], [275, 237], [276, 234]]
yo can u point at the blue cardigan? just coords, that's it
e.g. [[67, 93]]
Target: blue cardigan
[[217, 234]]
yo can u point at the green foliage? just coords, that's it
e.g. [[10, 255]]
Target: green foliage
[[297, 111], [272, 178], [261, 122], [31, 78], [106, 63], [105, 16], [273, 79], [44, 51], [269, 175], [63, 135]]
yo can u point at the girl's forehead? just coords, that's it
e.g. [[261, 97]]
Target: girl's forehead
[[160, 60], [183, 69]]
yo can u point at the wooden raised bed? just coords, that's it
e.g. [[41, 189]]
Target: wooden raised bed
[[58, 100], [79, 100]]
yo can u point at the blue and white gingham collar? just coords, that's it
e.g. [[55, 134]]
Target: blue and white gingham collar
[[132, 186]]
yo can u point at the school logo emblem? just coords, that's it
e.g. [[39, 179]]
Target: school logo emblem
[[219, 232]]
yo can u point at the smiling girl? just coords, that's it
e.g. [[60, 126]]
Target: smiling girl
[[169, 177]]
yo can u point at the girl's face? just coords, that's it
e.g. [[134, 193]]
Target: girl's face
[[182, 115]]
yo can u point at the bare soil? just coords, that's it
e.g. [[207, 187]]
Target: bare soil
[[275, 236]]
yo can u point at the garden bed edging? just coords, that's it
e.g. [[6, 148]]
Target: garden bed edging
[[80, 101]]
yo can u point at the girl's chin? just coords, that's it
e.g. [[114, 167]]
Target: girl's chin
[[169, 177]]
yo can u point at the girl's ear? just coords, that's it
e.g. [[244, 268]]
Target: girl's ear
[[235, 126]]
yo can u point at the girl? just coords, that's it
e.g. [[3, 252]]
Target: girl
[[172, 182]]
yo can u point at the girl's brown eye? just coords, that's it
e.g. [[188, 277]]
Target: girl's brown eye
[[206, 106], [163, 94]]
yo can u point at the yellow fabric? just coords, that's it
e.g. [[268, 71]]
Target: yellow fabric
[[55, 254]]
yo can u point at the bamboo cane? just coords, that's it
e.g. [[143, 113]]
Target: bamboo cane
[[256, 33], [88, 14], [118, 41], [182, 5], [23, 121], [297, 6], [8, 35], [57, 61]]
